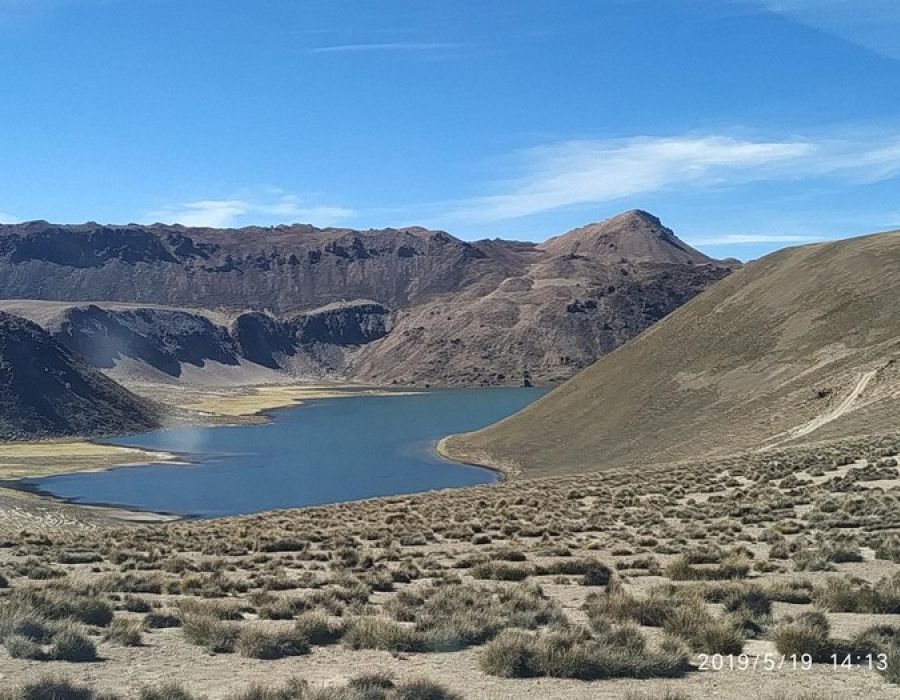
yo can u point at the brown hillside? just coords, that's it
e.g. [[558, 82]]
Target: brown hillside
[[801, 345], [415, 306]]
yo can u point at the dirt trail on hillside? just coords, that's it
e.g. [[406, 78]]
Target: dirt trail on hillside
[[827, 417]]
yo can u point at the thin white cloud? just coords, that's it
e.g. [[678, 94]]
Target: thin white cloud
[[8, 218], [730, 239], [226, 213], [582, 172], [872, 24], [384, 46], [573, 173]]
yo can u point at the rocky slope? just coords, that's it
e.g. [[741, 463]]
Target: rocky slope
[[164, 343], [46, 391], [801, 345], [434, 310], [281, 269]]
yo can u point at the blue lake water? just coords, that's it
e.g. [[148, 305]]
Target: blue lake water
[[322, 452]]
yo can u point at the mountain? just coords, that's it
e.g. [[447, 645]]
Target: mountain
[[279, 269], [582, 298], [403, 306], [46, 391], [803, 344], [635, 235]]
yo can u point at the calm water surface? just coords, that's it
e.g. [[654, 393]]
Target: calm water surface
[[323, 452]]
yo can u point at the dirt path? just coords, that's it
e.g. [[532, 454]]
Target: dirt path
[[820, 420]]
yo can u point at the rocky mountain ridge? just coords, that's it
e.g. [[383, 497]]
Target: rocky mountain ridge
[[391, 306]]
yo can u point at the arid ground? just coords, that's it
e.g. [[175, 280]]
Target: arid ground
[[622, 583]]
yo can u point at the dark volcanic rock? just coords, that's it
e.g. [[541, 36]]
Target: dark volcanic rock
[[162, 338], [264, 339], [343, 324], [47, 391], [268, 341], [282, 268]]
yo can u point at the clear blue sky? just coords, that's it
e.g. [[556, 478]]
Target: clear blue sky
[[745, 125]]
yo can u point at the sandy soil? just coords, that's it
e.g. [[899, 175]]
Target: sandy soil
[[37, 459], [251, 401]]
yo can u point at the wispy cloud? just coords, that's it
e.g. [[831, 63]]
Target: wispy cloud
[[385, 46], [225, 213], [872, 24], [582, 172], [572, 173], [730, 239], [8, 218]]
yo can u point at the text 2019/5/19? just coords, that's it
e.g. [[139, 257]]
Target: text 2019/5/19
[[778, 662]]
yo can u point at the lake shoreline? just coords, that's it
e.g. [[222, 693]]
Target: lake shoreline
[[242, 405], [257, 404]]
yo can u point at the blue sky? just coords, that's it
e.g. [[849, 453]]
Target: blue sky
[[745, 125]]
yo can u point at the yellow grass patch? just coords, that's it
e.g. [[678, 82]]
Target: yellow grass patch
[[247, 402], [33, 459]]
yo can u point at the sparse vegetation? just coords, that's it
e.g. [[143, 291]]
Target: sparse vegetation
[[359, 576]]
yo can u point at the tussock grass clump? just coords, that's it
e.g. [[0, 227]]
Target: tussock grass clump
[[318, 628], [421, 689], [704, 632], [21, 647], [619, 652], [124, 632], [681, 613], [799, 591], [131, 582], [71, 644], [165, 691], [454, 617], [508, 554], [859, 596], [651, 611], [843, 552], [161, 620], [62, 602], [25, 631], [370, 632], [808, 633], [215, 635], [501, 571], [135, 604], [218, 609], [512, 654], [51, 688], [735, 565], [256, 643], [575, 567]]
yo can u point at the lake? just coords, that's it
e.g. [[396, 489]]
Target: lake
[[325, 451]]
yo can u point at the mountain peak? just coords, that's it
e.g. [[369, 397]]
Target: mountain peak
[[635, 235], [635, 216]]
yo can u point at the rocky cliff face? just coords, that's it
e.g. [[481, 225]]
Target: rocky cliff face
[[281, 269], [47, 391], [318, 342], [162, 338], [324, 339], [437, 310]]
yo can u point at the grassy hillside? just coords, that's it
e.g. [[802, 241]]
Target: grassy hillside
[[798, 346]]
